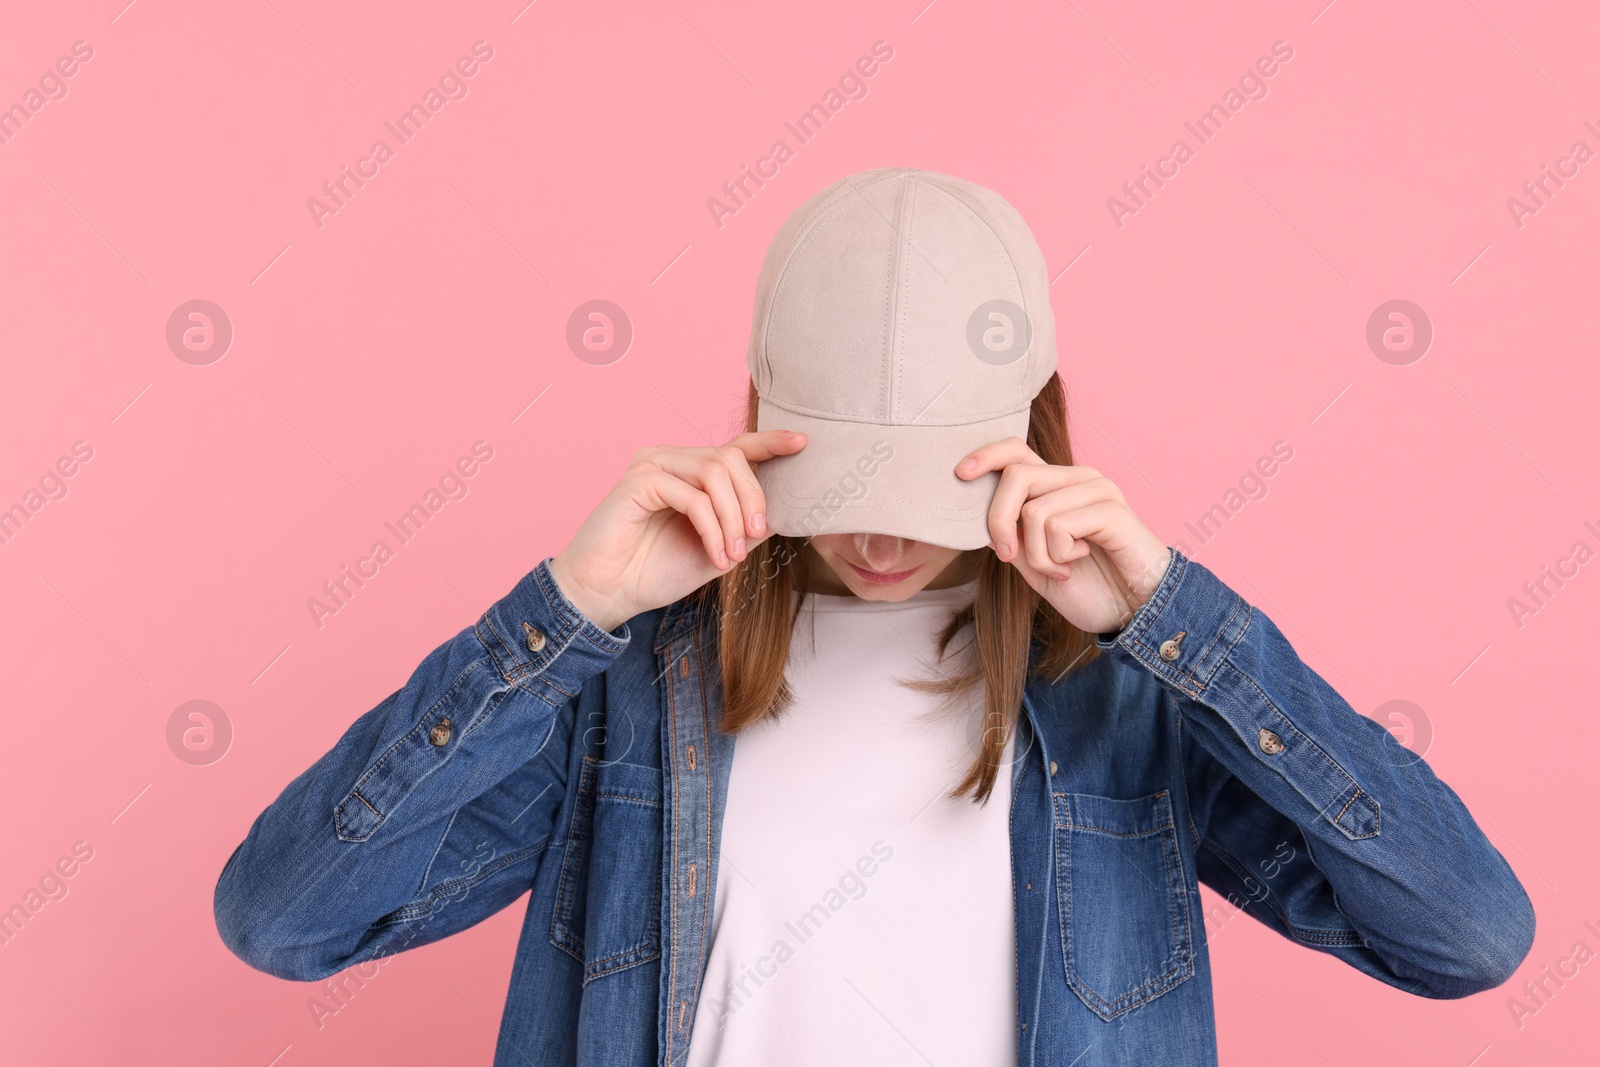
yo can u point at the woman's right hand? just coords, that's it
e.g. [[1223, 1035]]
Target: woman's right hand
[[677, 518]]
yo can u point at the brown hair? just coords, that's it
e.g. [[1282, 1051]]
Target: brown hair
[[1009, 617]]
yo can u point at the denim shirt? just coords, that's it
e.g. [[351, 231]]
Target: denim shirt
[[535, 752]]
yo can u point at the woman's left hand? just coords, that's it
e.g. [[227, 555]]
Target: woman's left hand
[[1071, 534]]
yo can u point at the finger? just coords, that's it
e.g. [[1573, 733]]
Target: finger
[[670, 491], [1024, 562], [1019, 483], [768, 443], [709, 470], [1081, 526], [996, 455], [1042, 516], [752, 501], [1051, 526], [717, 481], [1038, 514], [740, 453]]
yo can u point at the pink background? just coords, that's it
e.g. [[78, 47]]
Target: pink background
[[1228, 314]]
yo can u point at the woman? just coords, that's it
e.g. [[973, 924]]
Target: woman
[[991, 733]]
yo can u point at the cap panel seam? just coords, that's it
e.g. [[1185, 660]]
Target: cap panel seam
[[825, 209], [891, 307], [834, 204], [1018, 289], [903, 249]]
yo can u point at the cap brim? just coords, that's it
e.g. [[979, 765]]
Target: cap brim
[[857, 477]]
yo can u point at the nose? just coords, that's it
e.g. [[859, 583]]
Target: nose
[[880, 551]]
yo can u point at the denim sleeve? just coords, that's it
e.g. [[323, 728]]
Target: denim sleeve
[[1308, 815], [434, 809]]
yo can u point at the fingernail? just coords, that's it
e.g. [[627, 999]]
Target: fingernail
[[722, 558], [967, 465], [758, 522], [792, 434], [738, 547]]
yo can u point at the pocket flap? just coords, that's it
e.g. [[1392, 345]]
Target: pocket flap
[[1108, 815]]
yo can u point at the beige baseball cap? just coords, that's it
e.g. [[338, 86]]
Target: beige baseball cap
[[902, 319]]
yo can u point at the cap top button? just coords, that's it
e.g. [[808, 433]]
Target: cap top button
[[1271, 743], [440, 734]]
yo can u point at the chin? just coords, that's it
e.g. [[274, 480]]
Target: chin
[[901, 574], [890, 594]]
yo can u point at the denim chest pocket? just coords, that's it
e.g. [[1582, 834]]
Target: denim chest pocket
[[1123, 899], [608, 901]]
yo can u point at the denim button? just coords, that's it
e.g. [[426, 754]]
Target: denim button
[[1172, 647], [1271, 743], [440, 734], [1052, 766], [535, 638]]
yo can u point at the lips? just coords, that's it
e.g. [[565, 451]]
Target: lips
[[877, 578]]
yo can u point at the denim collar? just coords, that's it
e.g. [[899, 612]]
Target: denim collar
[[683, 616]]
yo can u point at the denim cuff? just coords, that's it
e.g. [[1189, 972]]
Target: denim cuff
[[541, 642], [1184, 631]]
